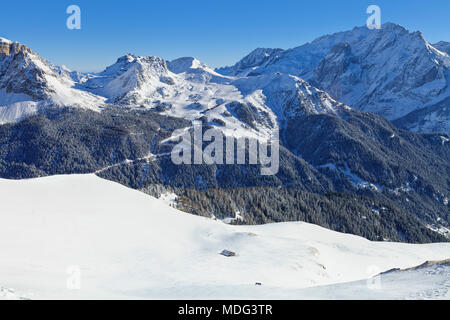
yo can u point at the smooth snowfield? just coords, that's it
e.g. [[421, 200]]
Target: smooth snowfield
[[129, 245]]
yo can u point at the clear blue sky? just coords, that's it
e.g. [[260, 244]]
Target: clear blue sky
[[218, 32]]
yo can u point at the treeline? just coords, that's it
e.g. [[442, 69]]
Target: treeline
[[356, 214]]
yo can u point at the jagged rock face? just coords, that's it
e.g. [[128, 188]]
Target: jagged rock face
[[331, 69], [196, 71], [391, 71], [434, 118], [21, 71], [325, 145], [360, 151], [289, 96], [257, 58], [29, 84], [12, 48], [443, 46]]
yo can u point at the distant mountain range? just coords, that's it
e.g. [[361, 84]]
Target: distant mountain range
[[28, 84], [391, 72], [332, 101], [132, 246]]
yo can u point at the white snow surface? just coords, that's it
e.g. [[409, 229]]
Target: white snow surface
[[391, 72], [129, 245], [189, 89]]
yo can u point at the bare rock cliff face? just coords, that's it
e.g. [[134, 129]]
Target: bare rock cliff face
[[22, 71]]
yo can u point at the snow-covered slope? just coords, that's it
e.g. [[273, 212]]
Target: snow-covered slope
[[300, 61], [189, 89], [184, 88], [443, 46], [391, 71], [429, 281], [195, 70], [433, 118], [258, 58], [126, 244], [132, 80], [28, 84], [288, 96]]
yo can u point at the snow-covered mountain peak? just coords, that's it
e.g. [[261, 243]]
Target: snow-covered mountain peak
[[65, 69], [194, 70], [259, 55], [289, 96], [3, 40], [121, 64], [185, 88], [257, 58], [443, 47], [8, 48], [24, 72], [390, 71], [129, 61], [355, 35], [29, 83], [174, 255], [129, 57]]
